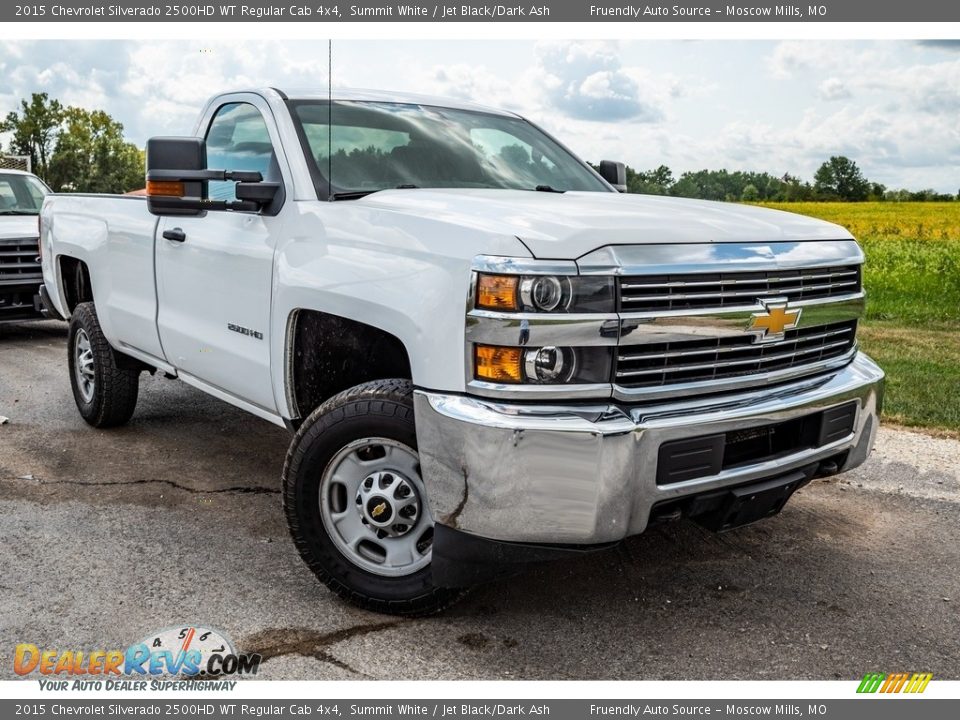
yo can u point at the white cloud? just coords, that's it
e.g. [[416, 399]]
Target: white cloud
[[792, 58], [948, 45], [469, 82], [587, 81], [834, 89]]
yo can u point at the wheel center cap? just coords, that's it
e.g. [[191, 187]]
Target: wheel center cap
[[388, 503], [379, 510]]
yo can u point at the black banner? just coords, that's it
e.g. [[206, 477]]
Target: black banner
[[543, 11], [215, 708]]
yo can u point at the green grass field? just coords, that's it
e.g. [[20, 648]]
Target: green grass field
[[912, 327]]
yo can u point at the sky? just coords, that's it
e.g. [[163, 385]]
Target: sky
[[781, 107]]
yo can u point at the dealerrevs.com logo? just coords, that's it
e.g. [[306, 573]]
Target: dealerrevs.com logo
[[188, 652]]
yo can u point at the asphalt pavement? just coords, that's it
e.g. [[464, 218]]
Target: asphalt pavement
[[176, 518]]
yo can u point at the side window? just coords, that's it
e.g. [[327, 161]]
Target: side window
[[237, 139]]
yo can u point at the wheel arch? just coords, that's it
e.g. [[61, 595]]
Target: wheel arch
[[326, 354], [75, 283]]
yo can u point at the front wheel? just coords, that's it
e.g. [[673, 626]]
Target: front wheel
[[356, 504]]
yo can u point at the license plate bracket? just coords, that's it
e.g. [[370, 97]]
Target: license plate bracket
[[739, 506]]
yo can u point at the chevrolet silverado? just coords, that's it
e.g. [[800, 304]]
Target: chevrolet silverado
[[486, 354]]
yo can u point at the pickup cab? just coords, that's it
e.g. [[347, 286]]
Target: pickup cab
[[486, 354], [21, 197]]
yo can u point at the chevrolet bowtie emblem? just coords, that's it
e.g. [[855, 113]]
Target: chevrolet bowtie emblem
[[772, 325], [378, 510]]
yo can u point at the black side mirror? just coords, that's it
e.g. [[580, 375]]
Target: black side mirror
[[614, 173], [177, 180], [168, 192]]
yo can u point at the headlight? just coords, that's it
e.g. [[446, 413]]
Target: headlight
[[549, 364], [545, 293], [542, 366]]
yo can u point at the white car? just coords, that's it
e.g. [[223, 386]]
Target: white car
[[21, 196], [487, 355]]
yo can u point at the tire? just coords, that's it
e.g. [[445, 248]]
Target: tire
[[106, 395], [328, 501]]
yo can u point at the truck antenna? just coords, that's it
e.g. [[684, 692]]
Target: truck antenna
[[330, 118]]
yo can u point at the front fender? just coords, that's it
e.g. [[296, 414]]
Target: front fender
[[407, 276]]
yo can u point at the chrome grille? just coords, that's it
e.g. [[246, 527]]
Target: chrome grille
[[648, 293], [658, 364], [19, 260]]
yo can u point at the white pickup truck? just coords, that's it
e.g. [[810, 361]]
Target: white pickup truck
[[21, 196], [487, 354]]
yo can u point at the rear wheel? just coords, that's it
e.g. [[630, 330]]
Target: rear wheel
[[356, 503], [106, 395]]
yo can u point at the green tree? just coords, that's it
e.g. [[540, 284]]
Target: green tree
[[750, 194], [793, 189], [840, 178], [34, 130], [878, 191], [91, 155], [652, 182]]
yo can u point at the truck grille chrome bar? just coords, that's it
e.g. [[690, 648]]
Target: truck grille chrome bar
[[719, 290], [18, 259], [666, 363]]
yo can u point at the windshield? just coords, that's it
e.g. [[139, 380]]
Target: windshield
[[376, 146], [21, 194]]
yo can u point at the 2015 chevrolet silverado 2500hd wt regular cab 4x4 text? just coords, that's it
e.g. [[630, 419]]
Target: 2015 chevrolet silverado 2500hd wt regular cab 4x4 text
[[488, 355]]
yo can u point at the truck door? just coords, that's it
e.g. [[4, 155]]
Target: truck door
[[215, 271]]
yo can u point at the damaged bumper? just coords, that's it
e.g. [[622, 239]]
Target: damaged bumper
[[593, 474]]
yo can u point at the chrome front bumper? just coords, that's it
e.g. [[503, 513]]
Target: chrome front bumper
[[586, 474]]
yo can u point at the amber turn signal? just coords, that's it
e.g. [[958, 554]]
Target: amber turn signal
[[497, 292], [165, 188], [498, 364]]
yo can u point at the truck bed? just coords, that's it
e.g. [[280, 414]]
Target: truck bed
[[114, 236]]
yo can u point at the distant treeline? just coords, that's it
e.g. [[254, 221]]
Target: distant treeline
[[838, 178]]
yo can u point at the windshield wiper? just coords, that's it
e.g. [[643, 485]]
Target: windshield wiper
[[19, 212], [548, 188], [357, 194], [352, 194]]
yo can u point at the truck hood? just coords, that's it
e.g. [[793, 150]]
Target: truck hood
[[18, 226], [569, 225]]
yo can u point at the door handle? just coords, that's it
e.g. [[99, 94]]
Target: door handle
[[176, 234]]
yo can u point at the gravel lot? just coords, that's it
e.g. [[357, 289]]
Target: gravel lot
[[176, 519]]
